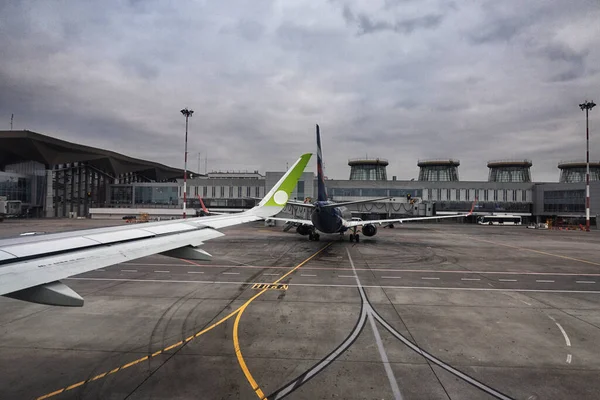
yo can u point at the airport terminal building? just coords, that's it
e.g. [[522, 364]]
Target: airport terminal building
[[55, 178]]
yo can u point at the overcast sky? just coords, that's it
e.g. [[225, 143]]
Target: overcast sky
[[398, 79]]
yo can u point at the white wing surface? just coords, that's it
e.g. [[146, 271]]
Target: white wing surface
[[31, 267]]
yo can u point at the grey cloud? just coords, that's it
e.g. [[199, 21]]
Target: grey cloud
[[368, 24], [260, 75], [499, 30], [250, 30]]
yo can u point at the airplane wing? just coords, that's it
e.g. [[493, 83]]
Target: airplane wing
[[347, 203], [300, 204], [31, 267], [352, 224], [293, 220]]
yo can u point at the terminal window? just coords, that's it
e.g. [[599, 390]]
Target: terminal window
[[557, 201]]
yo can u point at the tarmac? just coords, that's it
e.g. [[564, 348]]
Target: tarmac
[[421, 311]]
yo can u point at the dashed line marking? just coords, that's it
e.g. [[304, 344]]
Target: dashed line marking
[[345, 276], [75, 385], [129, 270], [163, 272], [173, 346], [428, 277], [231, 273], [307, 275], [98, 377], [470, 279], [195, 272], [585, 281], [569, 358], [567, 341], [507, 280], [50, 394], [391, 277], [544, 281]]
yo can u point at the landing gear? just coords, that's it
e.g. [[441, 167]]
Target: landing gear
[[354, 236], [314, 236]]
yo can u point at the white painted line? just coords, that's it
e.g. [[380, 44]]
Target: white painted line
[[567, 341], [306, 275], [426, 277], [345, 276], [544, 281], [585, 281], [391, 277], [569, 358], [522, 301], [507, 280], [470, 279], [163, 272], [272, 274], [231, 273], [326, 285], [195, 272], [129, 270], [385, 360]]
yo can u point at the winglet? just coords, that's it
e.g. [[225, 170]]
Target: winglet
[[472, 207], [202, 205], [277, 198]]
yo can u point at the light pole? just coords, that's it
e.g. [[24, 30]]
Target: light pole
[[587, 106], [187, 113]]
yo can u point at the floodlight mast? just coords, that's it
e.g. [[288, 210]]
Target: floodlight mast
[[587, 106], [187, 113]]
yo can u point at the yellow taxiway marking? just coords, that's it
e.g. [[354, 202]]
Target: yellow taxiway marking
[[198, 334], [236, 342]]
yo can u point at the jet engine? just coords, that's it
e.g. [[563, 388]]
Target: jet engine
[[369, 230], [303, 230]]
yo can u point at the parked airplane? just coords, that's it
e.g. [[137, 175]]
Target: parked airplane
[[31, 267], [330, 217]]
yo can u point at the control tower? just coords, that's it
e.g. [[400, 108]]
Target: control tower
[[368, 169], [515, 171], [438, 170], [574, 171]]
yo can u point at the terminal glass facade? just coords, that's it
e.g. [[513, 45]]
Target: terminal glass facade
[[165, 195], [515, 174], [574, 175], [373, 192], [564, 201], [15, 187], [365, 172], [438, 173]]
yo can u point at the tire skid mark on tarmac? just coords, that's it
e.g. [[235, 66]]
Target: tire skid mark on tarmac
[[367, 310], [179, 345]]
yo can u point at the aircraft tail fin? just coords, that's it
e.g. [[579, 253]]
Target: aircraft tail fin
[[322, 190], [278, 196]]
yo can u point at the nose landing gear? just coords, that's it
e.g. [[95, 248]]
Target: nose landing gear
[[354, 236]]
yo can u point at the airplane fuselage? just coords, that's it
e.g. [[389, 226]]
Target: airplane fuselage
[[331, 219]]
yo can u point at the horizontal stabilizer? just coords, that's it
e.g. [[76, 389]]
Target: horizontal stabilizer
[[189, 252], [53, 294]]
